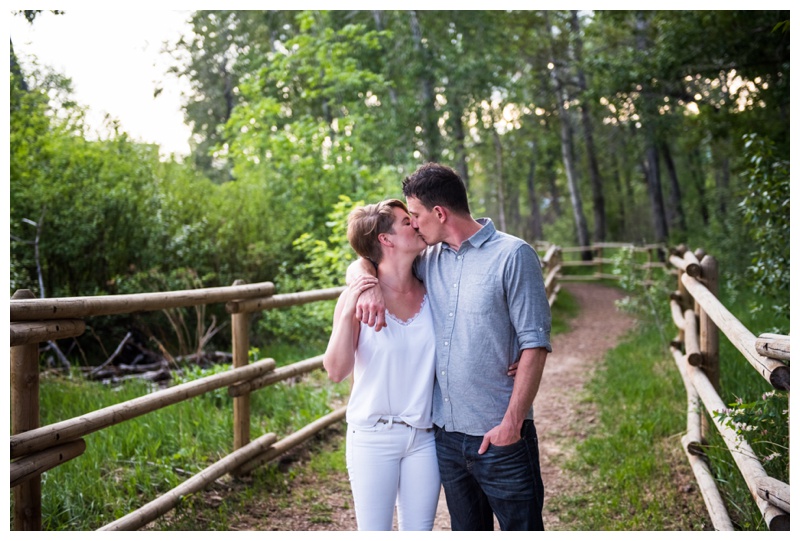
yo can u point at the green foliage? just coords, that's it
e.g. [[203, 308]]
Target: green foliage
[[764, 424], [633, 409], [328, 259], [325, 265], [129, 464], [647, 289], [759, 415], [765, 209]]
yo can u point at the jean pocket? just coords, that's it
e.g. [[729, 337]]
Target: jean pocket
[[507, 449]]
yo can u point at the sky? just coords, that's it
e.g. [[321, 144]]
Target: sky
[[115, 62]]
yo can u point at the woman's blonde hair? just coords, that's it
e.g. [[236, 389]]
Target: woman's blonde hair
[[364, 224]]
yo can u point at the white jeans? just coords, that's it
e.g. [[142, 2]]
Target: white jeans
[[393, 463]]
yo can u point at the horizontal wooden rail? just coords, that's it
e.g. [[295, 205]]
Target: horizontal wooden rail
[[774, 346], [645, 248], [42, 438], [708, 489], [677, 314], [692, 338], [596, 262], [587, 277], [282, 300], [295, 439], [772, 370], [752, 470], [33, 332], [692, 268], [279, 374], [168, 501], [36, 464], [105, 305]]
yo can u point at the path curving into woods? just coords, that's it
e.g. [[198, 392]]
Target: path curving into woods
[[560, 421]]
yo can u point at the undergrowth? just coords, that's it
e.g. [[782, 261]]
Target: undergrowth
[[635, 472], [130, 464]]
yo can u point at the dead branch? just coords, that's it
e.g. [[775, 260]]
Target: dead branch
[[113, 355]]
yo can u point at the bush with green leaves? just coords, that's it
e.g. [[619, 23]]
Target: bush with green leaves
[[765, 212], [325, 264]]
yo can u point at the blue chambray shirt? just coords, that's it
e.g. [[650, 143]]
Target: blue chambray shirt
[[489, 303]]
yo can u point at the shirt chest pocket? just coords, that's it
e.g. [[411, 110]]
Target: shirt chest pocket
[[480, 294]]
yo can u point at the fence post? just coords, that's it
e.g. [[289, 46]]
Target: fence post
[[599, 270], [709, 333], [24, 417], [240, 326]]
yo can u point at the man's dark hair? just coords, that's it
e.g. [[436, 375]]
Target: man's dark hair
[[436, 184]]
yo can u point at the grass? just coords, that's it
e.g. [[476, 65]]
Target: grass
[[130, 464], [636, 476], [634, 473]]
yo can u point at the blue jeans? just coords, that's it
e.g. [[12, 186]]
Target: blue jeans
[[505, 480]]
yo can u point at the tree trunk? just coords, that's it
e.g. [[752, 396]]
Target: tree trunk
[[460, 137], [535, 219], [651, 149], [568, 150], [550, 175], [595, 179], [675, 198], [568, 155], [722, 175], [15, 69], [700, 184], [621, 196], [501, 199], [377, 16], [654, 191], [429, 119]]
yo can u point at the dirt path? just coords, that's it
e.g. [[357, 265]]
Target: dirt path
[[560, 419]]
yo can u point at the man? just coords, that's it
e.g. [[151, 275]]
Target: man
[[490, 312]]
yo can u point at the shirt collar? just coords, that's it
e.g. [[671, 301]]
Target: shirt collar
[[480, 236]]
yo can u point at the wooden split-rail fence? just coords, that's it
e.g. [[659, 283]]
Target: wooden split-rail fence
[[36, 449], [699, 317]]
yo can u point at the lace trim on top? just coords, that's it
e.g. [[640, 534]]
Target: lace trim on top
[[410, 320]]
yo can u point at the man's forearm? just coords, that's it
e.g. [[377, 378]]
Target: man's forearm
[[370, 308], [359, 266], [526, 384]]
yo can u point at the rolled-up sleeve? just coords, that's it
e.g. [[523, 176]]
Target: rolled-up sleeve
[[527, 299]]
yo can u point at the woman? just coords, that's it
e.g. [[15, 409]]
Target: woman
[[390, 449]]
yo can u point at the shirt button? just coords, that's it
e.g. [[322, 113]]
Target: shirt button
[[459, 257], [447, 400], [447, 343], [455, 285], [451, 315], [443, 372]]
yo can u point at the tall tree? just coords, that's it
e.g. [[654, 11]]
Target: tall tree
[[568, 150], [595, 179], [651, 163]]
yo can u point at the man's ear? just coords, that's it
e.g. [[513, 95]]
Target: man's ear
[[441, 213]]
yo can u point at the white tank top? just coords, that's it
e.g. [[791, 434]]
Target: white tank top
[[393, 373]]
